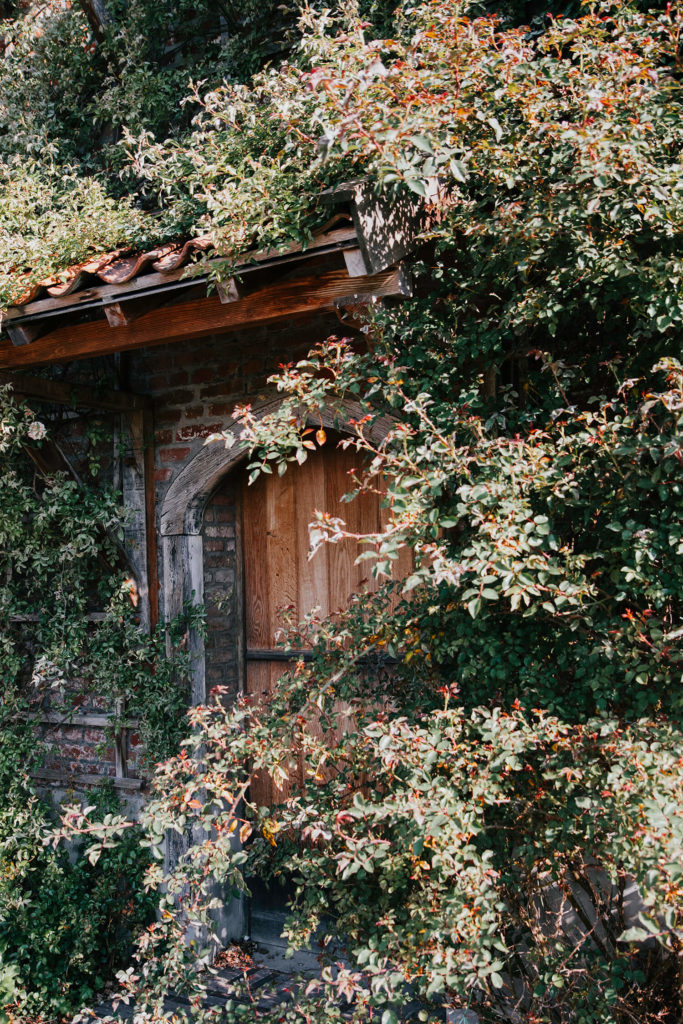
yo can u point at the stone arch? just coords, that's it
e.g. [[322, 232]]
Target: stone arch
[[186, 498], [183, 507]]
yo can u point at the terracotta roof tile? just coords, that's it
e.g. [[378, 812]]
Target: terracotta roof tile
[[117, 267]]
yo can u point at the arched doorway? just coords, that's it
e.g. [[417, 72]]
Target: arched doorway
[[258, 573], [242, 551]]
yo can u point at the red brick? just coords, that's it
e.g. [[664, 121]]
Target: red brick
[[203, 376], [194, 412], [157, 362], [214, 561], [226, 370], [173, 454], [93, 735], [213, 543], [225, 515], [73, 733], [178, 377], [215, 391], [178, 397], [158, 383], [163, 436], [162, 475], [164, 416], [197, 430], [222, 409]]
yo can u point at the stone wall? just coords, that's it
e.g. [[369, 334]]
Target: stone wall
[[222, 590]]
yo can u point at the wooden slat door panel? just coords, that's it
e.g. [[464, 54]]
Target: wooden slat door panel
[[280, 579]]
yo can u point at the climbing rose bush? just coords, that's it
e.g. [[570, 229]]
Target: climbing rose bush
[[501, 830]]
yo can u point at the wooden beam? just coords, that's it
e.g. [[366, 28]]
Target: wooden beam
[[23, 334], [356, 306], [58, 392], [147, 284], [197, 319], [141, 426], [89, 721], [48, 458]]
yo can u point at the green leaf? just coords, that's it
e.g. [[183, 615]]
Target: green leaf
[[422, 143], [458, 170], [417, 185]]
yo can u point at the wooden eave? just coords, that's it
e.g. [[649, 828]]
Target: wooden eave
[[353, 263]]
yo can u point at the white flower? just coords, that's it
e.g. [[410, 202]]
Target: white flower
[[37, 431]]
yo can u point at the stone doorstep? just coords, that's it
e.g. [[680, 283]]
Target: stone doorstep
[[268, 989], [267, 985]]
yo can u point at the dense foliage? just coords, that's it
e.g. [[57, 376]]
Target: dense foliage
[[67, 922], [511, 795]]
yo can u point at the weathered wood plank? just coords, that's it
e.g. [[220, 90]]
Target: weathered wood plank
[[314, 574], [343, 573], [85, 779], [256, 592], [304, 295], [151, 552]]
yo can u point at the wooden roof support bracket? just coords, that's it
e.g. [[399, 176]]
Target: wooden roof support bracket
[[120, 313], [386, 226], [230, 290], [22, 334]]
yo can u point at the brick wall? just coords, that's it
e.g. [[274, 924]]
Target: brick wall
[[196, 385]]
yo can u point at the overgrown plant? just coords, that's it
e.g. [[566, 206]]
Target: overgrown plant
[[67, 922], [502, 828]]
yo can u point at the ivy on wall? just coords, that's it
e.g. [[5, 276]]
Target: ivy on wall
[[67, 923]]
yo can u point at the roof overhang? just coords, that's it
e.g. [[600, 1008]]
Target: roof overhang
[[353, 261]]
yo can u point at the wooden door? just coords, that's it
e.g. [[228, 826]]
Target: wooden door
[[278, 575]]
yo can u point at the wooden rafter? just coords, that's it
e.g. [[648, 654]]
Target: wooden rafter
[[59, 392]]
